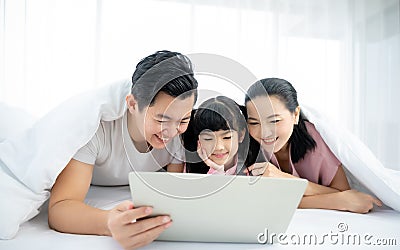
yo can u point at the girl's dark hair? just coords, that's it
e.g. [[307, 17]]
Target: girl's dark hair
[[164, 71], [301, 141], [219, 113]]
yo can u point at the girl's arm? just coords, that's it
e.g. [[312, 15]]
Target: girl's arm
[[68, 212]]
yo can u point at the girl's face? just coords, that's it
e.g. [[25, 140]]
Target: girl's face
[[221, 146], [270, 122]]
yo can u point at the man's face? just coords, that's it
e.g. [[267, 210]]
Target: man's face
[[166, 118]]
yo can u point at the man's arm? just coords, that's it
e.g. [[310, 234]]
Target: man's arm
[[68, 212]]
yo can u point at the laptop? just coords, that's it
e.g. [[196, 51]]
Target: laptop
[[218, 208]]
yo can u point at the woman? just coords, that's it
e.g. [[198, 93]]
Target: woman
[[294, 148]]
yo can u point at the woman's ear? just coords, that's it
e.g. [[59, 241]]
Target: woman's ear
[[297, 115], [131, 103]]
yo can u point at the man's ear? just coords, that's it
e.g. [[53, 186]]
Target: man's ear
[[131, 103], [297, 115]]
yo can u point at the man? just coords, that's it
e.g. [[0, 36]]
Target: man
[[146, 138]]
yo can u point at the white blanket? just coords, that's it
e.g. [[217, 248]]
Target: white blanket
[[31, 162], [367, 172]]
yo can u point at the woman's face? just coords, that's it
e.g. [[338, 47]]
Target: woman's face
[[270, 122], [220, 146]]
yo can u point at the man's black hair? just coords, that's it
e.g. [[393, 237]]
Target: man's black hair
[[163, 71]]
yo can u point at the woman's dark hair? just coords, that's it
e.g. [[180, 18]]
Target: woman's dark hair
[[301, 141], [219, 113], [163, 71]]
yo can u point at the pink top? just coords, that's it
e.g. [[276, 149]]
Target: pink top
[[319, 165]]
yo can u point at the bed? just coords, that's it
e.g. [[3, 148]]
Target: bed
[[25, 183], [381, 226]]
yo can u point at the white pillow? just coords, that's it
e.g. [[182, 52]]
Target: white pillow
[[19, 204], [13, 121], [358, 159], [31, 161]]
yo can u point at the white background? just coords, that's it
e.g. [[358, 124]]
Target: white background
[[342, 56]]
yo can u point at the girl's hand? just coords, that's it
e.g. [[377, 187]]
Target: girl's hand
[[203, 155], [357, 202]]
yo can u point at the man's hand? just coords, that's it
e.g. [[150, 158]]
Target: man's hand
[[132, 233]]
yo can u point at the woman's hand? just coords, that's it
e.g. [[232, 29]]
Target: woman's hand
[[267, 169], [357, 202], [128, 232], [349, 200], [204, 157]]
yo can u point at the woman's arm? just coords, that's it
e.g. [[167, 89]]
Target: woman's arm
[[68, 212], [349, 200], [177, 168], [337, 196], [339, 182]]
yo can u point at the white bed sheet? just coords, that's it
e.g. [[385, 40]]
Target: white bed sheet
[[381, 224]]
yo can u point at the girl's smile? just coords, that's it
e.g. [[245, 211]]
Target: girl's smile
[[220, 146]]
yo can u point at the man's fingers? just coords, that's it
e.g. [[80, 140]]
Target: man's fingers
[[142, 232], [128, 216], [123, 206], [148, 224], [148, 236]]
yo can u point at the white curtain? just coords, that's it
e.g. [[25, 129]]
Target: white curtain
[[342, 56]]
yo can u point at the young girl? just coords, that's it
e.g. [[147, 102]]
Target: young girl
[[294, 148], [216, 139]]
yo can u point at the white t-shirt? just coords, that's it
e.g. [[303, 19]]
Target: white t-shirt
[[106, 151]]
